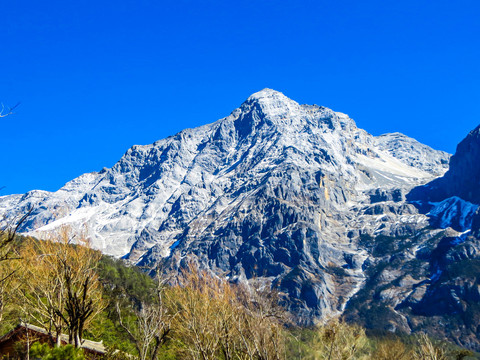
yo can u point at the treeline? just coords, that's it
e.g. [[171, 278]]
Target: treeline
[[63, 286]]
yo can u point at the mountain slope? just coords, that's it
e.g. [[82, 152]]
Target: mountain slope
[[276, 190]]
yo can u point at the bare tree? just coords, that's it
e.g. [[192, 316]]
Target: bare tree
[[60, 287], [216, 319], [7, 239], [151, 327], [260, 324], [8, 252], [199, 327]]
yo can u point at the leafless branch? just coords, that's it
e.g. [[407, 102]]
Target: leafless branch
[[7, 241], [7, 111]]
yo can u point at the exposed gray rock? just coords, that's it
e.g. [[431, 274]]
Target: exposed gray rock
[[380, 195]]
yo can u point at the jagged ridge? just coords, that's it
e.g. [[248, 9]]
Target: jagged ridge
[[276, 190]]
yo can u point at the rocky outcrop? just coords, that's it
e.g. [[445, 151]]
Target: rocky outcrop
[[462, 178]]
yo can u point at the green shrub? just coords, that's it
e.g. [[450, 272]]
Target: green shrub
[[45, 352]]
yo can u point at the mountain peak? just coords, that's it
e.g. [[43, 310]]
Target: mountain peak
[[266, 93], [271, 104]]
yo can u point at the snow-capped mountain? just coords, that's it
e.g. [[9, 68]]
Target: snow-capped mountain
[[155, 191], [296, 196]]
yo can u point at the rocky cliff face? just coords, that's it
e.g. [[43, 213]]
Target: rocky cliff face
[[295, 196], [463, 176]]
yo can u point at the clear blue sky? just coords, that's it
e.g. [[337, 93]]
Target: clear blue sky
[[96, 77]]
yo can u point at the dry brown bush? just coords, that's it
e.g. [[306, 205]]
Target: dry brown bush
[[218, 320], [338, 340], [392, 350], [426, 349]]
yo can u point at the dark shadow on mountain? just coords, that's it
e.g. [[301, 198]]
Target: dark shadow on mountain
[[452, 200], [462, 179]]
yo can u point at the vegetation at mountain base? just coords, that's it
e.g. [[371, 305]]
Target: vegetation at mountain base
[[62, 285], [59, 287], [46, 352]]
